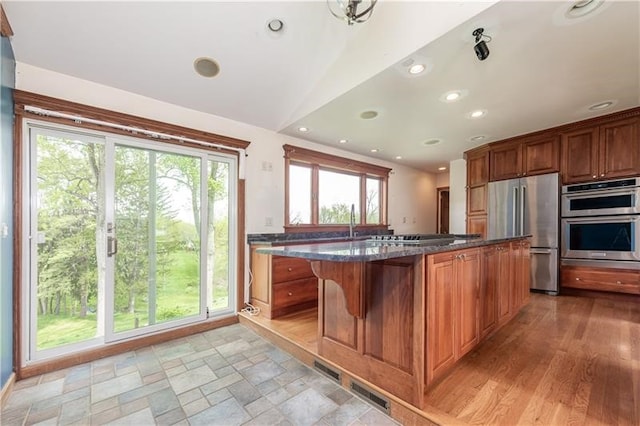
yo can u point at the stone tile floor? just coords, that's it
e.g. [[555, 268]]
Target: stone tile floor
[[228, 376]]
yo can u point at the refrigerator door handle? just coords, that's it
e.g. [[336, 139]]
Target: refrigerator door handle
[[540, 251], [514, 212], [523, 206]]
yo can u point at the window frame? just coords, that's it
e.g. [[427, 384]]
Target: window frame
[[317, 161]]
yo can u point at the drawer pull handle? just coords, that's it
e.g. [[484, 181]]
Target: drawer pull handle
[[577, 279], [618, 282], [290, 294], [289, 269]]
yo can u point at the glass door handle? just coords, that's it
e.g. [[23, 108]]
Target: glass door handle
[[112, 246]]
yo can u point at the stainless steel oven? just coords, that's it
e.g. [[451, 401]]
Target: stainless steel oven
[[601, 237], [602, 198]]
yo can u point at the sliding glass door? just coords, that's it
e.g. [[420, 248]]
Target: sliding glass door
[[126, 238]]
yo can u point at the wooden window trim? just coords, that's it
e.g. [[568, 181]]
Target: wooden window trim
[[320, 161], [5, 27], [22, 99]]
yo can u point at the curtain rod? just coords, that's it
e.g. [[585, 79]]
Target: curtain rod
[[136, 130]]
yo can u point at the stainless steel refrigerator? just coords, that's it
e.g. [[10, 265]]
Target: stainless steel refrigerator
[[529, 206]]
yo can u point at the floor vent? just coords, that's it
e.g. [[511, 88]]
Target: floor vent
[[329, 372], [371, 395]]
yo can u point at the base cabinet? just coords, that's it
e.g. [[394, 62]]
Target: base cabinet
[[281, 285], [601, 279]]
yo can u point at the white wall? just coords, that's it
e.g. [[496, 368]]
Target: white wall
[[411, 192], [457, 196], [442, 180]]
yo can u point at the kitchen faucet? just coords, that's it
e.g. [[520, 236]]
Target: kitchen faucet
[[352, 220]]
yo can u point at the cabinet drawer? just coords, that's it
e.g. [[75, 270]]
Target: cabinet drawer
[[617, 280], [295, 292], [289, 268]]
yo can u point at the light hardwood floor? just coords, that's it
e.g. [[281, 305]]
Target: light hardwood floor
[[562, 360]]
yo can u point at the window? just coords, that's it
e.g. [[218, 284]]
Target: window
[[322, 190]]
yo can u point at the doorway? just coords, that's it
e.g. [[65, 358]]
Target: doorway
[[126, 237], [443, 211]]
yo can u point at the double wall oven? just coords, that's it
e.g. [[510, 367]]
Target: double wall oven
[[601, 223]]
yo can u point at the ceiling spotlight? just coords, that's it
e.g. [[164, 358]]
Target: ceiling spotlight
[[581, 8], [477, 138], [343, 141], [477, 113], [601, 105], [452, 96], [442, 169], [416, 69], [303, 129], [368, 115], [481, 49], [374, 150], [347, 10], [429, 142], [398, 157], [275, 25]]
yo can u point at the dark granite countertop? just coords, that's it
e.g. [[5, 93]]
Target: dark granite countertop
[[323, 237], [363, 250]]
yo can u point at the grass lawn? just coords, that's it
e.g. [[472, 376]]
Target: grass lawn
[[177, 296]]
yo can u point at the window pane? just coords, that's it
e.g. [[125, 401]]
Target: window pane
[[373, 201], [218, 289], [299, 194], [337, 193]]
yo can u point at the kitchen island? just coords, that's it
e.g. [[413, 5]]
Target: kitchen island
[[400, 314]]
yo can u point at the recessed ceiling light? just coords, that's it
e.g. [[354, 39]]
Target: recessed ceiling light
[[477, 113], [206, 67], [416, 69], [368, 115], [430, 142], [275, 25], [442, 168], [581, 8], [343, 141], [477, 138], [452, 96], [601, 105], [398, 157], [303, 129], [374, 150]]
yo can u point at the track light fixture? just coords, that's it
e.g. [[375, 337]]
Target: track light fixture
[[347, 10], [481, 49]]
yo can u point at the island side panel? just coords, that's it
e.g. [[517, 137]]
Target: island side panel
[[389, 338]]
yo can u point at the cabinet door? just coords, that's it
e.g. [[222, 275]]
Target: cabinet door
[[541, 155], [477, 199], [580, 155], [441, 301], [619, 149], [478, 168], [505, 285], [468, 281], [477, 225], [488, 309], [506, 161], [521, 262]]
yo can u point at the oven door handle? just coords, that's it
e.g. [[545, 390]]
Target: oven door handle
[[601, 193]]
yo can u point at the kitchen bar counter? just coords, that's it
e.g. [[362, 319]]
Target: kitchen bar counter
[[400, 315], [359, 250]]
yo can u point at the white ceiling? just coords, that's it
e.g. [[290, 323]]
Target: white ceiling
[[543, 70]]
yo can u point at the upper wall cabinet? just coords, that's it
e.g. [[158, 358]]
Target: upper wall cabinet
[[525, 157], [608, 151]]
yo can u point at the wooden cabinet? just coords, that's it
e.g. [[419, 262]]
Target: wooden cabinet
[[601, 279], [452, 318], [281, 285], [477, 186], [494, 288], [608, 151], [521, 273], [525, 157]]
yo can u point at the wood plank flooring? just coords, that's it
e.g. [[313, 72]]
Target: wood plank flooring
[[562, 361]]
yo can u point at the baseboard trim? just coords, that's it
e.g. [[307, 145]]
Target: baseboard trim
[[6, 389]]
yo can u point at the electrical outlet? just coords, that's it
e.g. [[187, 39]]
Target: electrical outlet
[[404, 219], [268, 221], [267, 166]]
